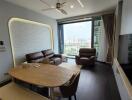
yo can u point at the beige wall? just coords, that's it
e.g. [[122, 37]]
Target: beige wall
[[118, 14], [126, 25]]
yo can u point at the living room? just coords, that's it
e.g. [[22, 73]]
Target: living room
[[87, 37]]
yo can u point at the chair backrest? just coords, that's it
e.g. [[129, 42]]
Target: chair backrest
[[70, 90], [87, 52], [34, 57]]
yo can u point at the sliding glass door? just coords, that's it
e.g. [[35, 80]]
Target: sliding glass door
[[77, 35]]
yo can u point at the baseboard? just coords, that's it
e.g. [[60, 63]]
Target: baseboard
[[101, 62], [5, 82], [104, 62]]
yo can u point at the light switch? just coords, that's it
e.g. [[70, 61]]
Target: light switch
[[1, 43], [2, 46]]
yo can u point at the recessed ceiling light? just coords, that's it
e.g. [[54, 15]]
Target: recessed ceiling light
[[72, 6], [52, 7]]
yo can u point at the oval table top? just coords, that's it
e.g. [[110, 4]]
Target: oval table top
[[41, 74]]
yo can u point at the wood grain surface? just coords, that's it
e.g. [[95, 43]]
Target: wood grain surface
[[73, 67], [13, 91], [41, 74]]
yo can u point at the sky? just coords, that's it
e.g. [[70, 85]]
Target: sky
[[80, 30]]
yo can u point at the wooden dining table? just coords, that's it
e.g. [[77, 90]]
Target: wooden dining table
[[46, 75]]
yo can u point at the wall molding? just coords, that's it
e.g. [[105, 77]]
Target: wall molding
[[31, 22]]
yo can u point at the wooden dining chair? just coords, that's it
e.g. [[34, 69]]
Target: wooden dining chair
[[69, 89]]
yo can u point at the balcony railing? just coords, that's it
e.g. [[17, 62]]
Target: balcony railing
[[72, 49]]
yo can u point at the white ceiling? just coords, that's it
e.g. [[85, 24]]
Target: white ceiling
[[90, 6]]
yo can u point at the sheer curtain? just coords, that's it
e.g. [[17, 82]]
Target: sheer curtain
[[109, 25], [103, 44]]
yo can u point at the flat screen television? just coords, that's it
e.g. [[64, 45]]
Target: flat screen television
[[125, 54]]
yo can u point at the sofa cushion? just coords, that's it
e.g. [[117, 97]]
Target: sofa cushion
[[84, 58], [87, 52], [54, 58], [50, 56], [34, 57], [48, 53], [40, 60]]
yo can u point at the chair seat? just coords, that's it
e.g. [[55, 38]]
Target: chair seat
[[84, 58]]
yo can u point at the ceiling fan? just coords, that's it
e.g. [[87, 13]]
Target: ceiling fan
[[59, 7]]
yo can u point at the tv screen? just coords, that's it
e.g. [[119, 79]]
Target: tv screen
[[125, 54]]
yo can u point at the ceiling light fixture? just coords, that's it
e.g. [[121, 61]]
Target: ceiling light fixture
[[79, 1], [72, 6], [52, 7]]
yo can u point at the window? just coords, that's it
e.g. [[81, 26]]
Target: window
[[76, 36]]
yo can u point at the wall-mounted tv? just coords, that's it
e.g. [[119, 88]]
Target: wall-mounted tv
[[125, 54]]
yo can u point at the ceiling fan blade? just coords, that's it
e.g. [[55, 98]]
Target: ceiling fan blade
[[62, 11], [45, 3], [80, 2], [63, 3], [48, 9]]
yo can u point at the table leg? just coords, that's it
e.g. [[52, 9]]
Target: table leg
[[51, 91]]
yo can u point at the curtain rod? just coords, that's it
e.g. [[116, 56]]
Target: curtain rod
[[85, 16]]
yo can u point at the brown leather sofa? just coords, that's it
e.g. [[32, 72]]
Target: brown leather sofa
[[87, 56], [53, 58], [35, 57], [45, 55]]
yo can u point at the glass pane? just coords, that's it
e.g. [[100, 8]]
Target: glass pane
[[97, 33], [76, 36]]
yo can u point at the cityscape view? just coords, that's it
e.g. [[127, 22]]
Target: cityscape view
[[76, 36]]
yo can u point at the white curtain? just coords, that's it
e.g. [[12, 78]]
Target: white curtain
[[103, 45]]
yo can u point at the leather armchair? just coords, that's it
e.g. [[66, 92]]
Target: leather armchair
[[87, 56], [53, 58]]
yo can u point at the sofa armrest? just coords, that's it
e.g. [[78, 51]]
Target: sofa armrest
[[92, 58], [77, 58]]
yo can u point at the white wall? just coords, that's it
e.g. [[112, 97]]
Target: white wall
[[27, 37], [8, 11], [126, 26]]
